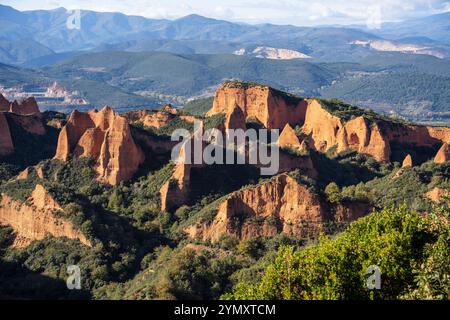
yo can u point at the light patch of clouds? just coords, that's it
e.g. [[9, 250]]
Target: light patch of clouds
[[296, 12]]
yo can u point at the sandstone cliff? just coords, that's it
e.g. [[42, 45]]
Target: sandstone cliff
[[437, 194], [105, 136], [6, 143], [36, 219], [407, 162], [24, 174], [325, 130], [4, 104], [27, 106], [151, 118], [288, 138], [13, 122], [443, 154], [278, 205], [267, 105], [321, 128]]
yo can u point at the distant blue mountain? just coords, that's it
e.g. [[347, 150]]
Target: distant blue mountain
[[44, 32], [435, 27]]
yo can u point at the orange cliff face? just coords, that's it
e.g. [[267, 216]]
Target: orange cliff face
[[24, 116], [320, 129], [407, 162], [288, 138], [27, 106], [152, 118], [265, 104], [280, 205], [105, 136], [443, 155], [35, 219], [325, 130], [6, 143], [4, 104]]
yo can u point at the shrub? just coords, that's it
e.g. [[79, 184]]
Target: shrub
[[410, 249]]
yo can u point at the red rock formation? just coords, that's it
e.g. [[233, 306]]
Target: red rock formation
[[265, 104], [320, 128], [407, 162], [36, 219], [169, 109], [105, 136], [26, 107], [31, 123], [175, 192], [6, 143], [278, 205], [288, 138], [26, 173], [235, 119], [437, 194], [324, 131], [443, 154], [155, 119], [4, 104], [351, 211]]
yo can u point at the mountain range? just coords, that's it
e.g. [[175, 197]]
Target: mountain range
[[131, 62], [46, 32]]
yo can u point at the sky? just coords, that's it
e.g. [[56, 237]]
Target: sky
[[295, 12]]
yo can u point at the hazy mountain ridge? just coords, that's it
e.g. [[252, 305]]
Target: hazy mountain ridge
[[193, 34]]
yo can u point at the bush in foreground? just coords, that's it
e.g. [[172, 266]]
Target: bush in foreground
[[411, 250]]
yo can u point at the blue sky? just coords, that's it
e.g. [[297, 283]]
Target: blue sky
[[296, 12]]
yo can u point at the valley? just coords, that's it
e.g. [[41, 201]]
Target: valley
[[154, 153], [109, 192]]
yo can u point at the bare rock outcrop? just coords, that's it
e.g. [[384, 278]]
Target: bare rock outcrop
[[320, 127], [24, 174], [6, 143], [280, 205], [105, 136], [269, 106], [24, 116], [36, 218], [325, 131], [175, 192], [235, 119], [155, 118], [25, 107], [437, 194], [288, 138], [443, 155], [4, 104], [407, 162]]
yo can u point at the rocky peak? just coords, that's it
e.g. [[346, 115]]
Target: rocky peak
[[407, 162], [169, 109], [443, 155], [269, 106], [4, 103], [36, 218], [279, 205], [437, 194], [6, 143], [105, 136], [235, 119], [26, 107], [288, 138]]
